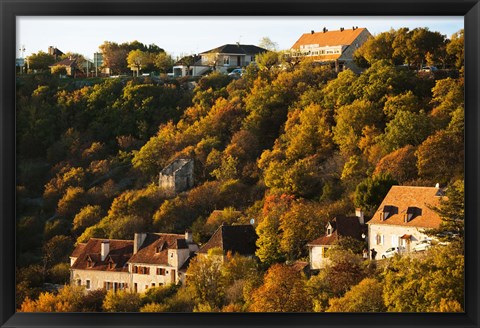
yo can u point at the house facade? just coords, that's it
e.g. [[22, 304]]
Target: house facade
[[158, 258], [403, 217], [101, 263], [334, 48], [150, 260], [230, 56], [190, 66], [337, 228]]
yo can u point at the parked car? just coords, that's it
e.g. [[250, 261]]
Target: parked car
[[422, 245], [237, 72], [391, 252], [429, 69]]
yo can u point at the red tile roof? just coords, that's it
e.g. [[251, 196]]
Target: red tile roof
[[155, 248], [343, 227], [120, 252], [78, 250], [401, 200], [329, 38], [66, 62], [239, 239]]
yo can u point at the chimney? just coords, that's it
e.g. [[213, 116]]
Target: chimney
[[353, 28], [341, 29], [359, 215], [325, 30], [105, 249], [138, 240], [312, 31], [188, 236]]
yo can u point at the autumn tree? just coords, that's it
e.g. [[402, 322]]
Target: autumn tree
[[138, 60], [205, 279], [401, 164], [428, 284], [367, 296], [283, 290], [440, 158], [455, 48], [163, 62], [121, 301], [86, 217]]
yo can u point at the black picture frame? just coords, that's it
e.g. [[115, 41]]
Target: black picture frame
[[470, 9]]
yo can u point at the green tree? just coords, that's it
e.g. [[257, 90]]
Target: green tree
[[370, 192], [351, 119], [452, 211], [40, 61], [406, 128]]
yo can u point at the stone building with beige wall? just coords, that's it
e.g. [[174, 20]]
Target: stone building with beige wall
[[150, 260], [403, 217]]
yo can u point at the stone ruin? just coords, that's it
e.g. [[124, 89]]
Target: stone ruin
[[177, 176]]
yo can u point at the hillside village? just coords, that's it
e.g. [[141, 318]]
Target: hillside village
[[244, 179]]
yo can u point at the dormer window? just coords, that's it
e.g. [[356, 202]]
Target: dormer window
[[329, 231]]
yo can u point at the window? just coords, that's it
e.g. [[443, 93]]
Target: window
[[324, 252], [135, 269], [89, 264], [329, 231], [171, 254], [87, 283], [135, 287], [79, 282], [394, 241], [153, 284], [160, 271], [226, 60], [379, 239]]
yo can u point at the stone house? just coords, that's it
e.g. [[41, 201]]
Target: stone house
[[338, 227], [237, 239], [334, 48], [150, 260], [178, 176], [101, 263], [70, 64], [403, 216]]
